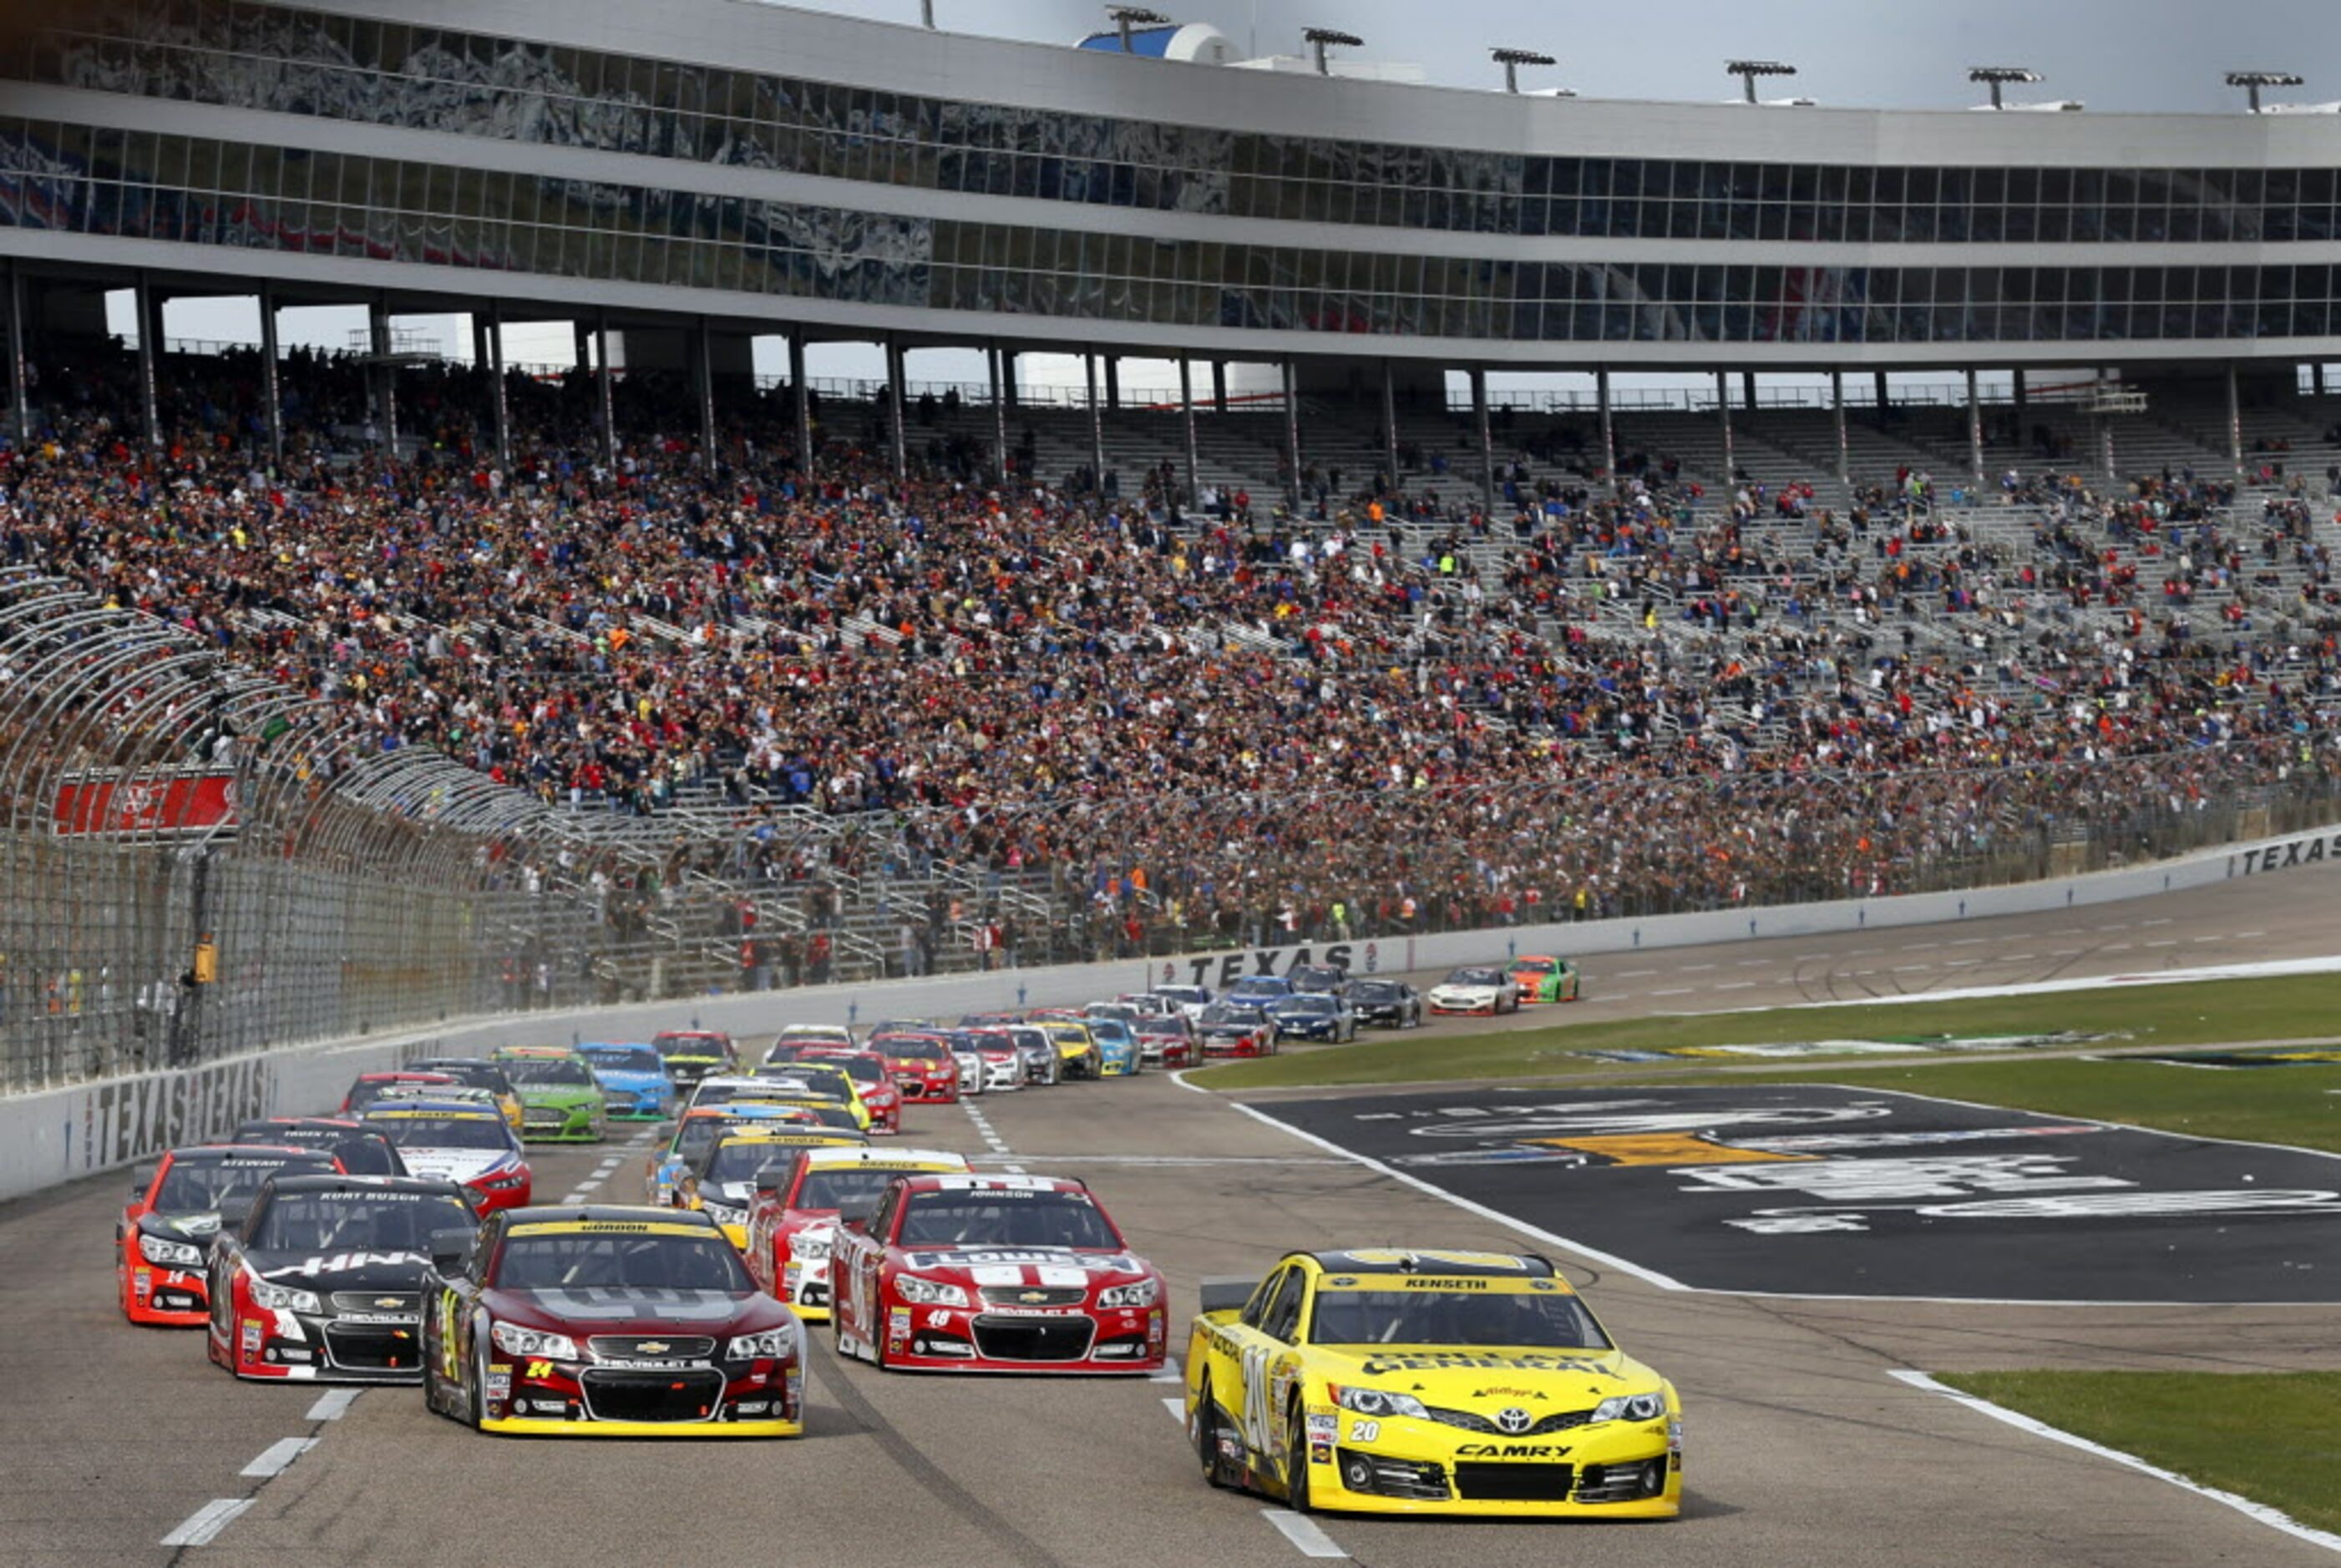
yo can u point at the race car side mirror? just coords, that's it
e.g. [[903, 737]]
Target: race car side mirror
[[451, 1250], [769, 1179], [140, 1180]]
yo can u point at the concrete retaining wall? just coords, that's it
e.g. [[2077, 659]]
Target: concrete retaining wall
[[58, 1134]]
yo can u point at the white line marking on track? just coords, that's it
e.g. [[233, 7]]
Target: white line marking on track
[[1694, 968], [2165, 942], [1736, 986], [1970, 942], [1176, 1407], [334, 1404], [1633, 974], [2164, 921], [1676, 991], [1911, 968], [199, 1527], [579, 1196], [2260, 1512], [278, 1456], [1303, 1533], [1170, 1372]]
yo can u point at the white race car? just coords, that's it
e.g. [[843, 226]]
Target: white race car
[[1475, 988]]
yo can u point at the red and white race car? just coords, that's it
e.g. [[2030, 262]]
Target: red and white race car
[[994, 1273], [792, 1221], [923, 1064]]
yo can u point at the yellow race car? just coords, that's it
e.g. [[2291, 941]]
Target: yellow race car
[[1383, 1381]]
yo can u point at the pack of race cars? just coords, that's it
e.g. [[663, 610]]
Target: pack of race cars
[[398, 1241]]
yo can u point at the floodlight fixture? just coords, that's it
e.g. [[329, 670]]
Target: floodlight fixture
[[1998, 77], [1511, 60], [1748, 70], [1125, 18], [1322, 38], [2252, 81]]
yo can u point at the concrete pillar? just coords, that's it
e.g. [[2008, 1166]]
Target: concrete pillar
[[380, 376], [2316, 379], [1844, 445], [702, 367], [1877, 391], [898, 440], [19, 379], [1113, 381], [805, 454], [1487, 439], [1292, 431], [1187, 417], [499, 407], [150, 349], [1389, 426], [2234, 422], [1723, 417], [1747, 391], [271, 390], [995, 365], [1218, 386], [2020, 390], [604, 398], [1974, 430], [1097, 423], [1007, 358], [1608, 428]]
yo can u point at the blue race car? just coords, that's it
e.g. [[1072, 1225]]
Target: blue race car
[[1117, 1053], [634, 1079], [1314, 1016], [1257, 991]]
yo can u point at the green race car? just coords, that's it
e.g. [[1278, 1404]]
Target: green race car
[[561, 1101], [1543, 978]]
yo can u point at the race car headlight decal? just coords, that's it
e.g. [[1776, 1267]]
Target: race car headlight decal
[[723, 1213], [1631, 1407], [1138, 1292], [809, 1248], [773, 1344], [929, 1292], [283, 1297], [1376, 1401], [514, 1340], [499, 1182], [170, 1253]]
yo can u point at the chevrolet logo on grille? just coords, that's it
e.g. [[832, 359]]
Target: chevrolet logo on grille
[[654, 1347], [389, 1301], [1032, 1297]]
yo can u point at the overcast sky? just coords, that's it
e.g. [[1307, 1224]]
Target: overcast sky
[[2130, 55]]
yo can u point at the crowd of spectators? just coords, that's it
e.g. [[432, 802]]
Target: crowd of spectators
[[1184, 724]]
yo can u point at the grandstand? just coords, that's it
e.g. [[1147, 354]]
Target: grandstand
[[726, 683]]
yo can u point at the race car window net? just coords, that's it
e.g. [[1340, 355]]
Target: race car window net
[[447, 1132], [336, 1222], [198, 1186], [553, 1073], [1476, 977], [586, 1261], [495, 1080], [625, 1059], [688, 1046], [1023, 1218], [1530, 1320]]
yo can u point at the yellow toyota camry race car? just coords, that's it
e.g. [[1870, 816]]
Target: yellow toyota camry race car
[[1384, 1381]]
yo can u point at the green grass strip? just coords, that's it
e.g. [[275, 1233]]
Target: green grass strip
[[2206, 1012], [2272, 1436]]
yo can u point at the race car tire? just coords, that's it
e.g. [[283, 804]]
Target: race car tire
[[1296, 1461], [1207, 1428], [475, 1408]]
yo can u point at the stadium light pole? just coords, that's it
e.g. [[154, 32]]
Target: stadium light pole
[[927, 15], [1126, 17], [1511, 60], [18, 378], [1321, 38], [1998, 77], [2251, 81], [272, 389], [1748, 70]]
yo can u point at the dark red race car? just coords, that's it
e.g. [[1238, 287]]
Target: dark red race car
[[368, 1087], [166, 1230], [923, 1064], [363, 1150], [994, 1273], [323, 1280], [608, 1321]]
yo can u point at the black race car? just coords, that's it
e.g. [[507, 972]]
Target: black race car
[[363, 1150], [323, 1280], [1393, 1003]]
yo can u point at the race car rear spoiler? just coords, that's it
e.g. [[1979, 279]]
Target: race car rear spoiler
[[1226, 1291]]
